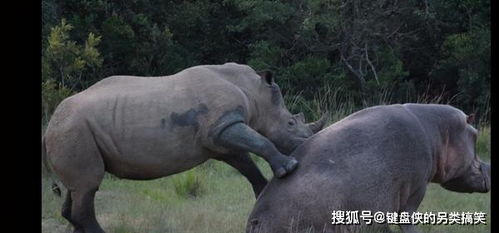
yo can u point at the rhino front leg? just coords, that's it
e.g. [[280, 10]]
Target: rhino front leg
[[240, 137], [245, 165]]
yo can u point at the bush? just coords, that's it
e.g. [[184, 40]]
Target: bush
[[52, 95], [67, 66]]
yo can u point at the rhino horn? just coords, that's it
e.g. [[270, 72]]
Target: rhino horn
[[319, 124]]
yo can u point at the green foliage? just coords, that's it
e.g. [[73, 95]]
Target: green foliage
[[311, 71], [393, 71], [188, 184], [66, 61], [52, 95], [264, 55], [483, 143], [120, 38], [468, 56], [260, 13], [66, 66], [395, 51]]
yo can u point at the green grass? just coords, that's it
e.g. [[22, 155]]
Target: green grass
[[126, 206], [483, 143], [188, 184], [222, 202]]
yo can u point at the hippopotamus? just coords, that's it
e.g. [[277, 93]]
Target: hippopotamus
[[377, 159], [144, 128]]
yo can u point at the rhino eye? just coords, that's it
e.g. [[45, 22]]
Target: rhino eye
[[291, 123]]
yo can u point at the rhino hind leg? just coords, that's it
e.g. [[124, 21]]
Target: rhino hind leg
[[240, 137], [66, 208], [79, 165], [83, 212], [79, 209]]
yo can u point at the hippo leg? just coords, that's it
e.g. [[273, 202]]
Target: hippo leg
[[241, 137], [411, 206], [245, 165], [83, 213]]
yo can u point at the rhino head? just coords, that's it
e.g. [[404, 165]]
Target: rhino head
[[464, 171], [284, 129]]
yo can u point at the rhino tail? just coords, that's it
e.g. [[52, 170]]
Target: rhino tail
[[55, 187]]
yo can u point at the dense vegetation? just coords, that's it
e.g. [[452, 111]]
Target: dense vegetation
[[397, 51]]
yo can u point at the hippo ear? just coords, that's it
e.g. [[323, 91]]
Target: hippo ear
[[300, 117], [470, 119], [266, 75]]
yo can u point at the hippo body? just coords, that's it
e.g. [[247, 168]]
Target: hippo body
[[378, 159], [149, 127]]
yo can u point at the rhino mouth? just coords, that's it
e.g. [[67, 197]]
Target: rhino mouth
[[299, 141]]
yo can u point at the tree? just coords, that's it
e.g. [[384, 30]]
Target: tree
[[394, 50], [66, 65]]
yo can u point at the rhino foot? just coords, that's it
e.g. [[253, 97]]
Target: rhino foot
[[291, 165], [281, 172], [288, 167]]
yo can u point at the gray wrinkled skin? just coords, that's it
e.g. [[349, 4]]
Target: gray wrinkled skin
[[149, 127], [379, 159]]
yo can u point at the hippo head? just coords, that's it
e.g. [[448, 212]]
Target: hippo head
[[463, 171], [284, 129]]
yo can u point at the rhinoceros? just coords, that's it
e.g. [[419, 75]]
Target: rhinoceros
[[150, 127], [377, 159]]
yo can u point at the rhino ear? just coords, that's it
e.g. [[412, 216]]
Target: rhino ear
[[267, 76], [470, 119]]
